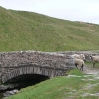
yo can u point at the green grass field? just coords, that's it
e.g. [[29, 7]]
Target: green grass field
[[20, 30]]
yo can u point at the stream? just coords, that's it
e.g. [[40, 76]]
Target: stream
[[14, 85]]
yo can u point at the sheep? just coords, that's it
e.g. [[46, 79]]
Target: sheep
[[94, 59], [81, 56], [79, 62]]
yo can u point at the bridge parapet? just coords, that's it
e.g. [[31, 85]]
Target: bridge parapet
[[43, 58]]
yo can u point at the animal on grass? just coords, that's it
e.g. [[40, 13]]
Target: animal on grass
[[79, 62], [94, 59], [78, 56]]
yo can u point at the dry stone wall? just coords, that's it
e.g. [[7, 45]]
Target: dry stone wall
[[41, 58]]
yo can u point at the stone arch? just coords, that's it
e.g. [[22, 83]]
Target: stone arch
[[50, 72]]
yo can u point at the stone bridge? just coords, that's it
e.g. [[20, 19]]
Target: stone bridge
[[15, 64]]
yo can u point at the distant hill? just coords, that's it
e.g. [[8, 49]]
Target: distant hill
[[21, 30]]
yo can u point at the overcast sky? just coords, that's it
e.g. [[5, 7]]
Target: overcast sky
[[74, 10]]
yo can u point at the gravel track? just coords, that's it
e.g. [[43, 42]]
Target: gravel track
[[90, 70]]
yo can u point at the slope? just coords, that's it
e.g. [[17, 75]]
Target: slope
[[21, 30]]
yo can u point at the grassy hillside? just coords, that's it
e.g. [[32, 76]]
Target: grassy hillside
[[20, 30], [74, 86]]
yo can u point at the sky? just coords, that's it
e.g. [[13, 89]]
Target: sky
[[73, 10]]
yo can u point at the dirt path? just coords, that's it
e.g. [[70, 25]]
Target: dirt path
[[90, 70]]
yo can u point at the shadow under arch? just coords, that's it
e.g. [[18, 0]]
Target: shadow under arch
[[48, 72]]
